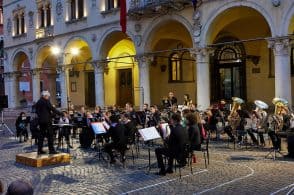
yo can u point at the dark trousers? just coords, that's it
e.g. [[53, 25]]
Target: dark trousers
[[229, 131], [109, 147], [64, 132], [276, 141], [46, 131], [160, 152], [290, 140]]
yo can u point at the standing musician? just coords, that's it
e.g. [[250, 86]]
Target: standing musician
[[290, 138], [44, 110], [187, 100]]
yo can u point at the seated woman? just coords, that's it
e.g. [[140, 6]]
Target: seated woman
[[193, 132], [21, 126], [65, 131]]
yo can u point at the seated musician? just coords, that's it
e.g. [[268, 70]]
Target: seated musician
[[131, 112], [290, 138], [21, 126], [172, 99], [193, 131], [153, 118], [118, 139], [98, 113], [175, 148], [187, 100], [115, 110], [65, 131], [130, 126]]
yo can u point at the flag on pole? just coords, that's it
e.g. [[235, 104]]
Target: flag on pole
[[194, 4], [123, 15]]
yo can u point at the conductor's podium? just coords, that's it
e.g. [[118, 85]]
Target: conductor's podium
[[34, 160]]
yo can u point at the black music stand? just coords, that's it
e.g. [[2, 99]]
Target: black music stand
[[98, 129], [149, 134], [60, 126]]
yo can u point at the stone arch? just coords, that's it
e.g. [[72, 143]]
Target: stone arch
[[161, 19], [14, 55], [105, 37], [38, 50], [286, 21], [217, 11]]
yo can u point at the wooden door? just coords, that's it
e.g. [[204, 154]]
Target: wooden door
[[125, 86]]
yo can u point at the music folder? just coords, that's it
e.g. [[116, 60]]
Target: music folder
[[98, 128], [150, 133]]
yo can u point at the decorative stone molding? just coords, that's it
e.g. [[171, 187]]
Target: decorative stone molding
[[143, 60], [99, 67], [280, 45], [93, 3], [9, 25], [60, 69], [31, 53], [36, 71], [94, 37], [59, 10], [138, 40], [138, 27], [31, 19], [197, 26], [202, 53], [276, 3]]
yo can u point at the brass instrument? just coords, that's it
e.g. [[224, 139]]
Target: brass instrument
[[262, 115], [234, 118], [281, 105]]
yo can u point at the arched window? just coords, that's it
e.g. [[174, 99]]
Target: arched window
[[48, 14], [22, 23], [111, 4], [80, 8], [175, 68], [73, 9], [17, 31], [42, 17]]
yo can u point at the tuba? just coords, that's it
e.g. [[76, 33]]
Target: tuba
[[280, 105], [260, 105], [236, 104], [262, 115]]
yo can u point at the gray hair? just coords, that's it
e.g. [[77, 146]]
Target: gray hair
[[45, 93]]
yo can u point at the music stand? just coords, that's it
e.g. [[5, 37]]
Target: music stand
[[60, 126], [149, 134], [3, 125], [98, 129]]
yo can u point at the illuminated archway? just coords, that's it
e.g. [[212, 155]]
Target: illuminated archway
[[121, 80], [23, 86], [80, 75], [46, 63], [171, 36], [250, 73]]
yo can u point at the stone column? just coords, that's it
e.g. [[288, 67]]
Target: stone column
[[63, 76], [11, 89], [68, 6], [45, 15], [202, 81], [99, 84], [281, 49], [36, 84], [77, 9], [144, 80]]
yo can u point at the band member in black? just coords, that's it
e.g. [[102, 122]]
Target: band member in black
[[172, 99], [45, 110], [21, 125], [154, 118], [175, 149], [119, 140]]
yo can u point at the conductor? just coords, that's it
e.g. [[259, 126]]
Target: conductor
[[44, 111]]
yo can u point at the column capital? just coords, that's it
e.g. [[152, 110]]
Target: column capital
[[280, 45], [36, 71], [143, 60], [202, 53], [99, 66], [60, 69]]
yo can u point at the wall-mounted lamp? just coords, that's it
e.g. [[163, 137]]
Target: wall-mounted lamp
[[163, 68], [254, 59]]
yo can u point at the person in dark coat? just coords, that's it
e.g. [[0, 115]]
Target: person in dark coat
[[44, 111], [118, 142], [175, 149], [21, 125], [194, 132], [20, 187]]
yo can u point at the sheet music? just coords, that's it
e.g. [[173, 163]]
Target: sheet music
[[149, 133], [98, 128], [165, 130], [106, 125]]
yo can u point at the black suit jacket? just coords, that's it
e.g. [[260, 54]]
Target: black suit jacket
[[178, 139], [118, 136], [194, 137], [44, 110]]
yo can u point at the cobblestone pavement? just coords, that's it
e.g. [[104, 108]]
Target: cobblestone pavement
[[243, 171]]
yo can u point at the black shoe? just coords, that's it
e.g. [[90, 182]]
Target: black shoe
[[70, 146], [161, 172], [41, 152], [53, 152], [289, 156], [169, 170], [112, 161]]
